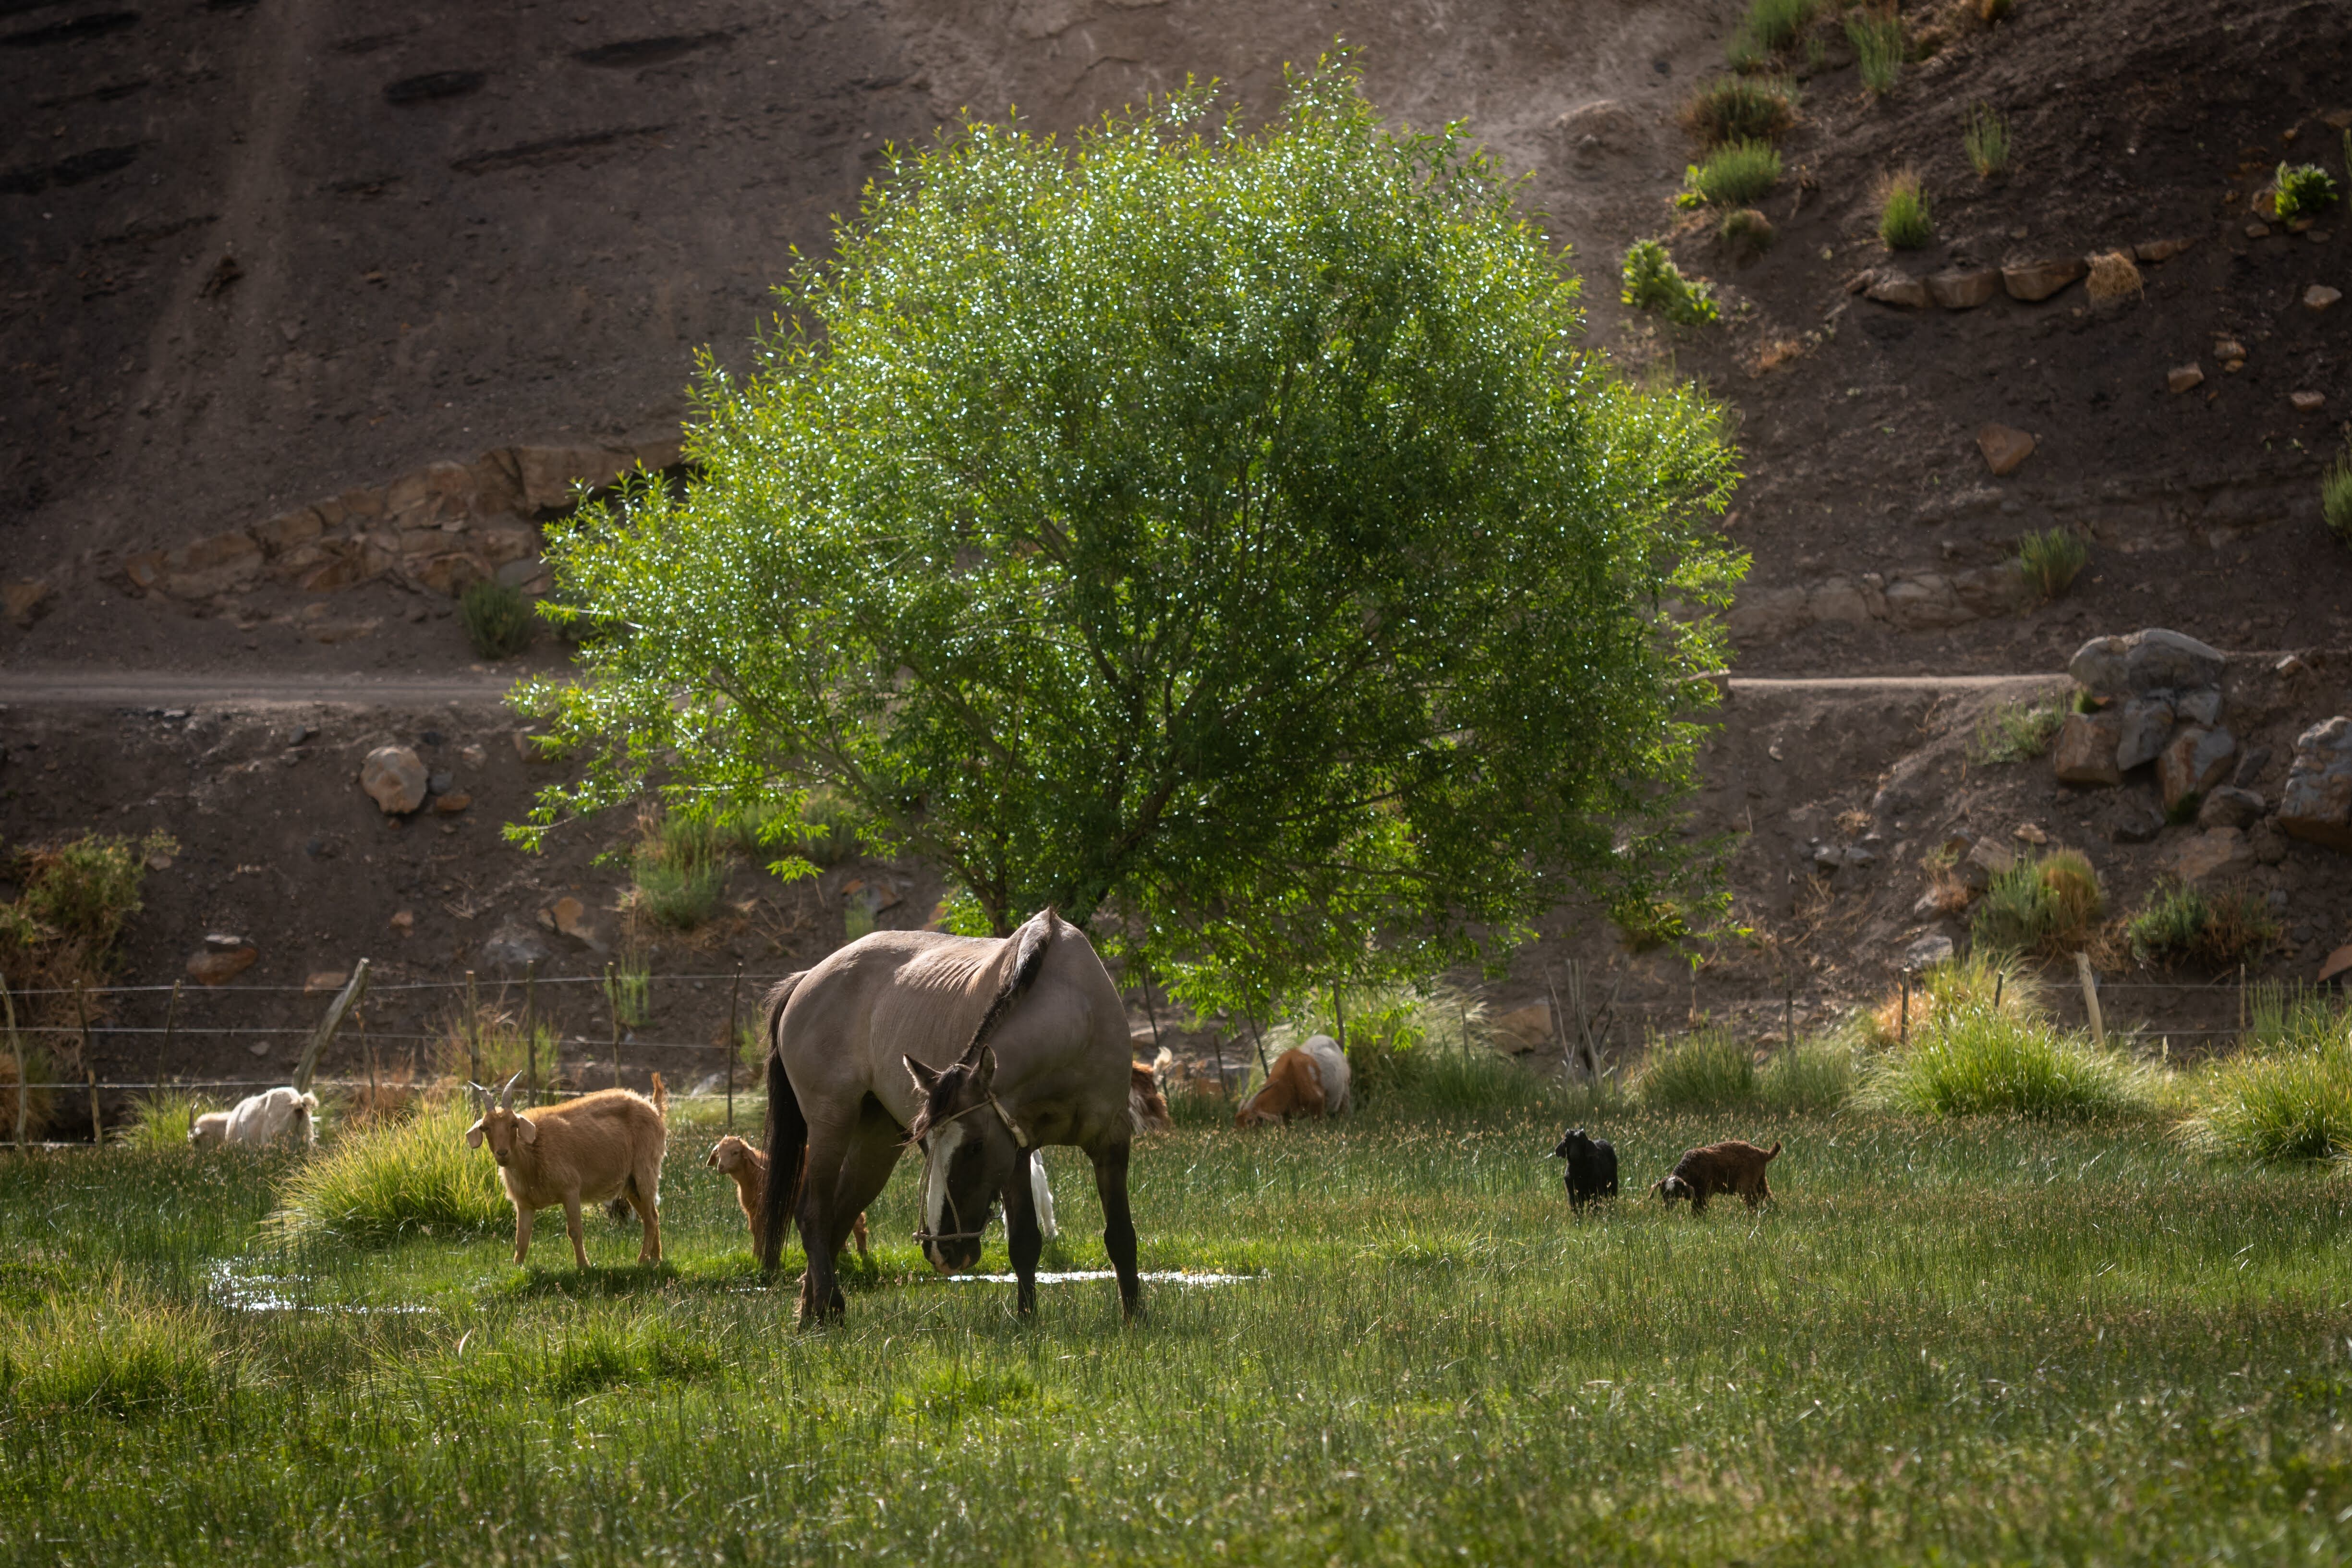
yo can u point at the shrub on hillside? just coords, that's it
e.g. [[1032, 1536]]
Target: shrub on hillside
[[1877, 39], [1747, 231], [2049, 905], [2017, 732], [60, 932], [397, 1178], [2184, 924], [679, 866], [1985, 136], [2287, 1094], [1904, 221], [1734, 173], [2304, 191], [498, 618], [2052, 559], [1652, 282], [1742, 109], [2336, 495]]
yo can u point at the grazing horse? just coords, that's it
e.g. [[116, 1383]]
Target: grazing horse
[[978, 1050]]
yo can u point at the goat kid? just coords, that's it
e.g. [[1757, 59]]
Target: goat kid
[[1733, 1167], [1591, 1167], [600, 1145], [748, 1167], [258, 1119]]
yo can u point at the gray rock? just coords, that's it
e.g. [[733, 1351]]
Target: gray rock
[[442, 784], [2098, 666], [2317, 803], [2250, 766], [513, 945], [2146, 725], [2157, 657], [2134, 819], [394, 777], [2201, 705], [2228, 807], [1929, 951]]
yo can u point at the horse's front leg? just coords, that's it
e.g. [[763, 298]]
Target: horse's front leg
[[1118, 1224], [1022, 1236], [820, 1293]]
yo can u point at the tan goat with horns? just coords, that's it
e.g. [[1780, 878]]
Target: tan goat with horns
[[603, 1145]]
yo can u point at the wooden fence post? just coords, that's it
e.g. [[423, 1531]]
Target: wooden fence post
[[16, 1054], [531, 1032], [612, 995], [2091, 997], [473, 1031], [337, 1011], [171, 1022], [734, 995], [1903, 1029], [90, 1073]]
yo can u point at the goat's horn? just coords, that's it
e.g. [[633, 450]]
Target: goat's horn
[[506, 1095]]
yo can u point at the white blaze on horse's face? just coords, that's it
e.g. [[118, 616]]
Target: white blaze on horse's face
[[939, 1154]]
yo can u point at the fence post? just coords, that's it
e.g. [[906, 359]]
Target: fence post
[[2242, 1000], [1338, 1017], [1902, 1030], [16, 1054], [2091, 997], [337, 1010], [531, 1032], [473, 1032], [81, 1025], [734, 995], [1217, 1045], [171, 1022], [612, 995], [1788, 1012]]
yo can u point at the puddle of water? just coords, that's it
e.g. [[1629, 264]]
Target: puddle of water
[[1163, 1278], [265, 1293]]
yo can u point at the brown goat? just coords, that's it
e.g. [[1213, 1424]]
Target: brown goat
[[750, 1169], [1146, 1108], [1733, 1167], [600, 1145]]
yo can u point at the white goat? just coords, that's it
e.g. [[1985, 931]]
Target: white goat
[[258, 1119]]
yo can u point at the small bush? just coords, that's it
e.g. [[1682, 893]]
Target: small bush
[[2336, 495], [1652, 282], [1808, 1076], [2182, 924], [679, 866], [498, 618], [2305, 191], [2049, 905], [1734, 173], [1976, 1061], [2287, 1095], [1769, 26], [1742, 109], [1747, 230], [1703, 1070], [2018, 732], [1877, 39], [2052, 559], [1904, 221], [1985, 137], [629, 988], [394, 1179], [116, 1357], [493, 1050]]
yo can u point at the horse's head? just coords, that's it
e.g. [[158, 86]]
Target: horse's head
[[970, 1154]]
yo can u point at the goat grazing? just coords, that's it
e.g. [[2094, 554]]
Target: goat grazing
[[1733, 1167], [1591, 1167], [600, 1145], [1305, 1080], [749, 1168], [1145, 1106], [258, 1119]]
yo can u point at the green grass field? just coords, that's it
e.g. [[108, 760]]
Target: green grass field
[[1974, 1341]]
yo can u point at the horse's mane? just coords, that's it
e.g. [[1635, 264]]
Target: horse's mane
[[1030, 943]]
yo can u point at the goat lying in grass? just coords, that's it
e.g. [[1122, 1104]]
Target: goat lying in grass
[[600, 1145], [1591, 1167], [1305, 1080], [1732, 1167], [258, 1119], [748, 1167]]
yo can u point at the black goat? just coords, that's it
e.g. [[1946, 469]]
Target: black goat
[[1591, 1167]]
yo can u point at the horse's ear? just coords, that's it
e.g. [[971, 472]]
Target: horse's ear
[[924, 1077], [984, 1072]]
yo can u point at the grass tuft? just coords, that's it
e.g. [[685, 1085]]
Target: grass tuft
[[498, 618], [1972, 1059], [679, 866], [1706, 1069], [1734, 173], [1905, 220], [2336, 495], [1652, 282], [2017, 732], [2287, 1095], [1769, 26], [2304, 191], [2051, 906], [2052, 559], [1742, 109], [1985, 135], [394, 1179], [160, 1121], [114, 1355], [1877, 39], [1747, 230], [2183, 924]]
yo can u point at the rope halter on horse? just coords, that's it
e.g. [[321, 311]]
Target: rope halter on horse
[[923, 1188]]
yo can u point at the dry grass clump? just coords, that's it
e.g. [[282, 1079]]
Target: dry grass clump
[[2184, 924], [2115, 276], [1741, 108], [2051, 905], [1747, 231], [2017, 732]]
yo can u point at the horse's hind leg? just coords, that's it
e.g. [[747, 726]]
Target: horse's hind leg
[[820, 1292], [1118, 1224]]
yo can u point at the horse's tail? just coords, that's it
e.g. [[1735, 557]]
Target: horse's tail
[[787, 1132], [1030, 943]]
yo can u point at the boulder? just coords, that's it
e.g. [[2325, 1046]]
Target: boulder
[[1759, 615], [2307, 402], [1926, 601], [1892, 288], [394, 778], [2146, 725], [2032, 280], [2193, 763], [2315, 805], [2202, 854], [449, 574], [218, 965], [2201, 705], [2182, 377], [1985, 860], [2132, 818], [2157, 658], [2000, 590], [2097, 666], [288, 530], [513, 946], [2085, 752], [1964, 288], [548, 473], [1838, 599], [2004, 447], [2230, 807], [320, 980], [1929, 951], [1524, 1029]]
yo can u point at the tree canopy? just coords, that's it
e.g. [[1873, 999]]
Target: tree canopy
[[1220, 533]]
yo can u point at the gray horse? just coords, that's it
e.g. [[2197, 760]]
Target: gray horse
[[978, 1050]]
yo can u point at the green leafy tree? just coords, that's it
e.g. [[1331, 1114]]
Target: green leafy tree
[[1218, 534]]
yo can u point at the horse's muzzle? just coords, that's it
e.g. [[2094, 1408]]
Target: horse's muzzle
[[952, 1255]]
